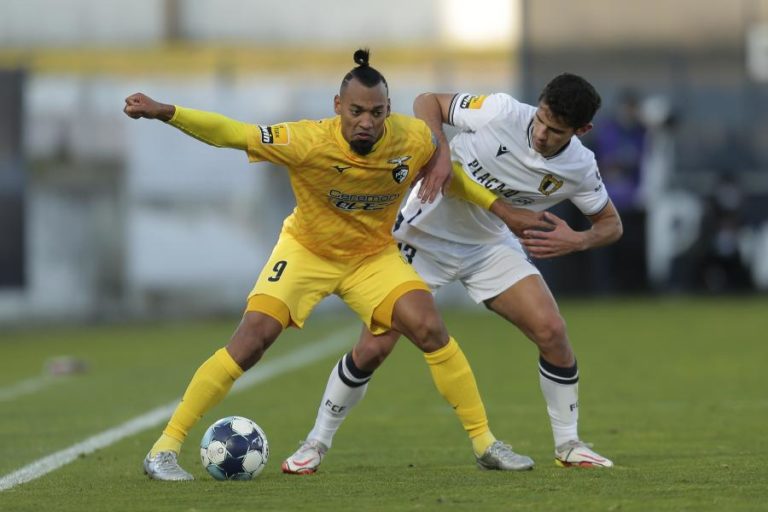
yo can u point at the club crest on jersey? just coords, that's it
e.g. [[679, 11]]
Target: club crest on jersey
[[276, 134], [401, 170], [550, 184], [473, 102]]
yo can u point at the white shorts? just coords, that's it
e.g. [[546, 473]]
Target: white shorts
[[484, 270]]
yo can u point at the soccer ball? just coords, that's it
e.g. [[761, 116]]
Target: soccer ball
[[234, 448]]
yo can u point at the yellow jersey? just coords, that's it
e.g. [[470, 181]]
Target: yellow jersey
[[346, 203]]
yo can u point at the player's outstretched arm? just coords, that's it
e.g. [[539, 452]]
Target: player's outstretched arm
[[140, 105], [606, 229], [209, 127], [436, 175]]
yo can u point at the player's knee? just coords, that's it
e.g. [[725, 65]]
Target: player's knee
[[252, 338], [429, 334], [550, 333]]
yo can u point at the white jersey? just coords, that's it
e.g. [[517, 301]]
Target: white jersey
[[495, 150]]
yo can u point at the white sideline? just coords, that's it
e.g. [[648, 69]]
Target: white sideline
[[25, 387], [260, 373]]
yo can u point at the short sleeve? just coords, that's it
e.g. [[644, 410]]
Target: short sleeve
[[592, 196], [470, 112]]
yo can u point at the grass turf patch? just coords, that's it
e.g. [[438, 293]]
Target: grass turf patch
[[671, 390]]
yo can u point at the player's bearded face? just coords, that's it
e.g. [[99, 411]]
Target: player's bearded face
[[363, 111], [549, 133]]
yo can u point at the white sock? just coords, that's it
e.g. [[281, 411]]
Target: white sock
[[346, 387], [561, 391]]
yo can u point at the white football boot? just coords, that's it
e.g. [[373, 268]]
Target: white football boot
[[579, 454], [165, 466], [500, 456], [306, 459]]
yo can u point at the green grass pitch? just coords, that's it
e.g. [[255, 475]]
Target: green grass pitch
[[673, 390]]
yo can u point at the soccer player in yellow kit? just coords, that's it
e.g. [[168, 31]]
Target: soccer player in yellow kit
[[349, 174]]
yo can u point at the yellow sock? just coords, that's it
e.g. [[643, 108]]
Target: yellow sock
[[211, 382], [454, 380], [165, 444], [481, 442]]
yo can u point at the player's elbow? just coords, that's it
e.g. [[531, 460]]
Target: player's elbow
[[423, 101], [618, 230], [421, 98]]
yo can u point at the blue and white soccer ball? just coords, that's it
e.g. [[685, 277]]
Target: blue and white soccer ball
[[234, 448]]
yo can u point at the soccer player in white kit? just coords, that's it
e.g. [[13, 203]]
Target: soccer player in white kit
[[531, 157]]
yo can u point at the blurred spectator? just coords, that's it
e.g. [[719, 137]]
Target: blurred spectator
[[719, 265], [619, 144]]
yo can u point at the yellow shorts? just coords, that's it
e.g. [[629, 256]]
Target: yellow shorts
[[300, 279]]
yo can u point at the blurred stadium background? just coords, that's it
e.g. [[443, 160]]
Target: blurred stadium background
[[102, 217]]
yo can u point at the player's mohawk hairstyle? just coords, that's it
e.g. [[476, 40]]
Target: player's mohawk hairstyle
[[361, 56], [364, 73]]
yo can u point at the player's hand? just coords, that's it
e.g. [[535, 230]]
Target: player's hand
[[519, 219], [559, 241], [436, 175], [140, 105]]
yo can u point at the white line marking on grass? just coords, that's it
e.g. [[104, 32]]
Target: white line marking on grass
[[260, 373], [25, 387]]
